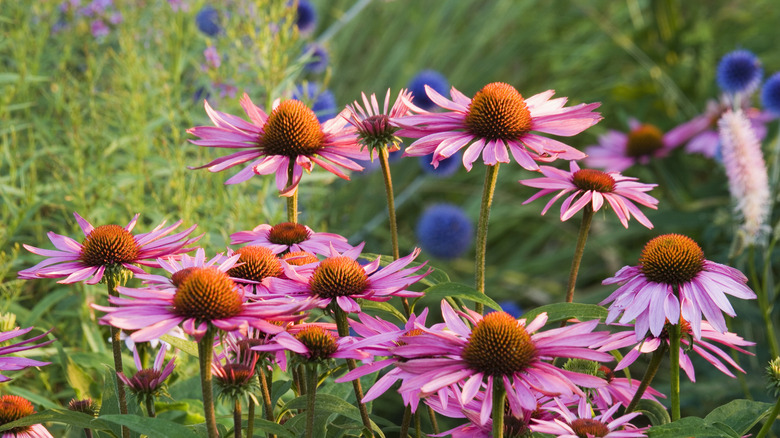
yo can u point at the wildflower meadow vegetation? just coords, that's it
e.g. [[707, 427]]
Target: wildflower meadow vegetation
[[343, 218]]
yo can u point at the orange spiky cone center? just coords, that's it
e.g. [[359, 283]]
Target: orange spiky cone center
[[498, 111], [671, 259], [499, 346], [109, 245], [207, 294], [292, 129]]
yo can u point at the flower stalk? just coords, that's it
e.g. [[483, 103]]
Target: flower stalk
[[582, 238], [312, 379], [491, 176], [499, 398], [652, 369], [674, 372], [237, 419], [292, 200], [112, 280], [205, 352], [343, 330]]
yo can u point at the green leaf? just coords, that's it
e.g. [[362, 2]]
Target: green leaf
[[382, 307], [455, 290], [151, 426], [75, 419], [272, 428], [189, 347], [739, 415], [564, 311], [693, 427], [654, 411], [329, 404]]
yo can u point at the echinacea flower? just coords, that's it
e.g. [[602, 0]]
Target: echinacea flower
[[593, 187], [739, 72], [314, 343], [617, 151], [747, 175], [106, 248], [149, 382], [289, 237], [373, 126], [12, 408], [498, 348], [204, 297], [673, 279], [495, 122], [583, 423], [445, 231], [255, 264], [706, 347], [234, 370], [85, 406], [11, 363], [340, 279], [285, 142]]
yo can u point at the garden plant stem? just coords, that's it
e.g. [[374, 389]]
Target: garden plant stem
[[311, 389], [385, 164], [250, 418], [652, 369], [582, 238], [237, 419], [343, 330], [769, 420], [491, 175], [116, 346], [292, 200], [205, 351], [674, 371], [499, 397]]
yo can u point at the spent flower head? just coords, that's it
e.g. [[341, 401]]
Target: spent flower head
[[373, 126]]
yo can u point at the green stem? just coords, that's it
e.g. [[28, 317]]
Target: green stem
[[150, 406], [343, 329], [237, 419], [205, 351], [250, 418], [652, 369], [292, 200], [417, 425], [311, 392], [764, 303], [406, 422], [491, 176], [87, 433], [269, 410], [582, 237], [116, 346], [674, 371], [499, 397], [769, 421], [434, 423]]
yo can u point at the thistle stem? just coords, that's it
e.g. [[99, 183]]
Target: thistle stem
[[582, 238], [652, 369], [311, 394], [491, 176], [769, 420], [292, 200], [116, 346], [499, 397], [237, 419], [406, 422], [343, 329], [205, 351], [674, 371]]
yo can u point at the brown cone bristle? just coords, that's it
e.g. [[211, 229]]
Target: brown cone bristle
[[498, 111], [109, 245], [499, 346], [207, 294], [12, 408], [292, 129], [338, 276], [320, 342], [288, 233], [144, 381], [589, 428], [300, 258], [671, 259], [179, 276], [236, 374], [592, 179], [256, 263], [644, 140]]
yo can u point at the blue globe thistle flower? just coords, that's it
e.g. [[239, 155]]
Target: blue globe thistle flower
[[207, 21], [433, 79], [511, 308], [770, 94], [323, 103], [444, 231], [318, 58], [306, 18], [739, 71], [447, 166]]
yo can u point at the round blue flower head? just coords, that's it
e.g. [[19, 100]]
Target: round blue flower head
[[433, 79], [444, 231], [318, 58], [323, 102], [207, 21], [739, 71], [770, 94], [511, 308], [447, 166], [306, 18]]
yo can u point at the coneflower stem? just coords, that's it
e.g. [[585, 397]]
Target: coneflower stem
[[582, 238], [769, 420], [116, 347], [88, 433], [652, 369], [434, 423], [269, 410], [343, 329], [292, 200], [237, 419], [385, 164], [405, 422], [250, 418], [150, 407], [499, 397], [311, 393], [674, 371], [417, 425], [491, 176], [205, 352]]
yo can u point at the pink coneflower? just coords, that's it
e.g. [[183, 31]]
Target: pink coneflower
[[12, 408], [106, 248], [314, 343], [708, 350], [288, 236], [203, 297], [674, 279], [177, 268], [234, 370], [373, 126], [747, 175], [619, 390], [617, 151], [10, 363], [498, 347], [495, 122], [584, 425], [290, 138], [255, 265], [593, 187], [341, 279], [149, 382]]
